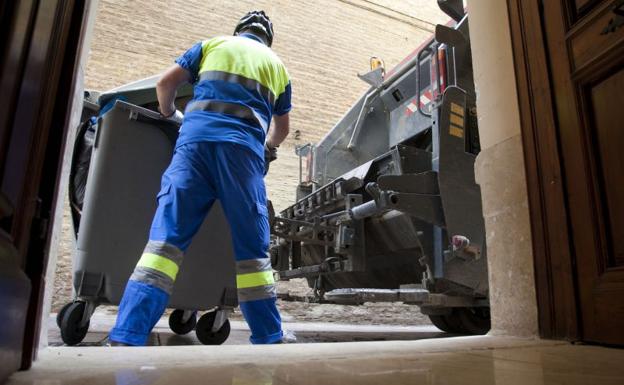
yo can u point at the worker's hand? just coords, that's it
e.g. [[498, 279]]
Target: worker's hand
[[175, 116], [270, 154]]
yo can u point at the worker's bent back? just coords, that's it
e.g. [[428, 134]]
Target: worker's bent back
[[239, 84]]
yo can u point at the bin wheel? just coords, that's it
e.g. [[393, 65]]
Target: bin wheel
[[71, 331], [204, 332], [179, 327], [59, 315]]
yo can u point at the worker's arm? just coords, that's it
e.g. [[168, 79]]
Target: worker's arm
[[279, 131], [167, 87], [275, 137]]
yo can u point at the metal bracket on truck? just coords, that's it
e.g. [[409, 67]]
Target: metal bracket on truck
[[408, 295]]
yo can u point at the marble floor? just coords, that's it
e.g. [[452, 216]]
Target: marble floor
[[479, 360], [307, 332]]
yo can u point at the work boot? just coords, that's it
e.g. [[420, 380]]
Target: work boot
[[110, 343], [289, 337]]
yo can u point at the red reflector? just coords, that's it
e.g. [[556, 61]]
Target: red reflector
[[442, 67], [433, 74], [308, 167], [438, 72]]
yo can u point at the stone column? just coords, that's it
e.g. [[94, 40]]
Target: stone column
[[500, 172]]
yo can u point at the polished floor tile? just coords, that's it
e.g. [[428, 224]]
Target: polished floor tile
[[464, 360], [307, 332]]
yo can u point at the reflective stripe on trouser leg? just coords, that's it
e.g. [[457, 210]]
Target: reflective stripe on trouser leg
[[257, 296], [254, 280], [147, 293], [159, 265]]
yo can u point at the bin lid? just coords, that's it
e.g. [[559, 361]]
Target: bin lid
[[141, 92]]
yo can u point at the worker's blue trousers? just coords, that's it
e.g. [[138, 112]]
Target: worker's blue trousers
[[198, 174]]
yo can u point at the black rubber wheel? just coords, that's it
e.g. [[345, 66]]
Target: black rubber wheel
[[439, 321], [455, 323], [450, 323], [71, 331], [204, 332], [475, 320], [179, 327], [59, 315]]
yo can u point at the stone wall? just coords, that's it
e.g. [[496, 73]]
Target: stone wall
[[324, 43]]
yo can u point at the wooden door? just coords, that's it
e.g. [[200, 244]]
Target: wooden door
[[585, 50], [17, 20], [39, 45]]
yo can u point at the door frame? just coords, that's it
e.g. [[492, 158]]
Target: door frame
[[555, 278], [44, 42], [71, 25]]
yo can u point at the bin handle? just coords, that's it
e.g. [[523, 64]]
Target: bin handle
[[169, 127]]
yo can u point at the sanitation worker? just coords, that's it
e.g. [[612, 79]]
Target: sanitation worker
[[240, 85]]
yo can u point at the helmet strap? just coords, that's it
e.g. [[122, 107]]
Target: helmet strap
[[257, 34]]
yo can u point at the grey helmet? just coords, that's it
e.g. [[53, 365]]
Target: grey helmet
[[256, 21]]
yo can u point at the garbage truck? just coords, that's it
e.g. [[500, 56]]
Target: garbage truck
[[387, 206]]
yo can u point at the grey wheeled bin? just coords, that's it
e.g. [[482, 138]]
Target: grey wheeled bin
[[132, 148]]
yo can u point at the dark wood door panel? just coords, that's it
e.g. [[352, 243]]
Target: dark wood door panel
[[587, 74], [17, 20], [607, 101], [582, 7], [577, 10], [580, 4], [592, 38], [603, 326]]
